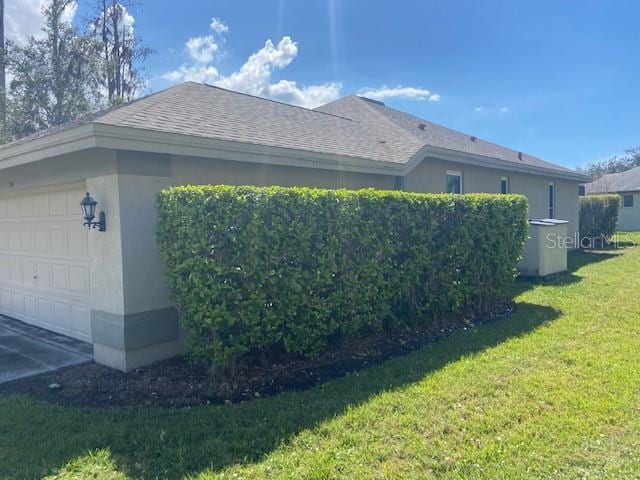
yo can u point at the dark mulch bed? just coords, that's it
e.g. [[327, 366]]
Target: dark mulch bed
[[179, 383]]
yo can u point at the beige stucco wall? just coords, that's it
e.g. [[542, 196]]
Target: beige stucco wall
[[198, 171], [431, 174], [629, 217], [129, 294], [70, 168]]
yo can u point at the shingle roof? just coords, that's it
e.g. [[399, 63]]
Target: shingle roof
[[628, 181], [378, 116], [350, 127], [201, 110]]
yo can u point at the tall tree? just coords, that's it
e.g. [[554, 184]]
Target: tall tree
[[121, 53], [3, 79], [51, 77]]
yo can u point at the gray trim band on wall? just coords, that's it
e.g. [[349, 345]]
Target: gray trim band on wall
[[134, 330]]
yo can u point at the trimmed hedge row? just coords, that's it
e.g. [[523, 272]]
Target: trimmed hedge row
[[262, 270], [598, 216]]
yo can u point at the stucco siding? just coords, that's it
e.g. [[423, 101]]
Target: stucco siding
[[629, 217], [198, 171], [74, 167], [431, 174], [129, 296]]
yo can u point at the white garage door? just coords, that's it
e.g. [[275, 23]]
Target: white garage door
[[44, 262]]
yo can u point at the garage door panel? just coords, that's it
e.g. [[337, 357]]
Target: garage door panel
[[77, 243], [5, 299], [28, 240], [41, 204], [81, 320], [31, 307], [73, 201], [26, 206], [79, 280], [58, 203], [15, 240], [16, 271], [62, 315], [43, 240], [43, 276], [29, 272], [17, 302], [13, 208], [44, 265], [59, 277], [58, 244]]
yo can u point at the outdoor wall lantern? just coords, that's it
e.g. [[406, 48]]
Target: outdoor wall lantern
[[88, 206]]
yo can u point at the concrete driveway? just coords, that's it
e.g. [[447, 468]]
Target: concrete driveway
[[26, 350]]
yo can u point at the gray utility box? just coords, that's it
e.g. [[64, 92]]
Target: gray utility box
[[545, 253]]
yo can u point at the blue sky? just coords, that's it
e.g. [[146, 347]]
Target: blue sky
[[558, 79]]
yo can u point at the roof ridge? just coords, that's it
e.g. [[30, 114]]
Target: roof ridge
[[371, 106], [272, 100]]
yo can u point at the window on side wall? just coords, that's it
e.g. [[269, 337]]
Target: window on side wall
[[504, 185], [627, 201], [582, 190], [454, 182], [552, 200]]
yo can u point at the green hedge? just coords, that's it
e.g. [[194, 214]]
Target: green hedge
[[262, 270], [598, 216]]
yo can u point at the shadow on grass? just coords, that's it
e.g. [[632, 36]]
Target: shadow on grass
[[150, 443], [575, 261]]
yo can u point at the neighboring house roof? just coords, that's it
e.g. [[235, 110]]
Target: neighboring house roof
[[628, 181], [352, 127]]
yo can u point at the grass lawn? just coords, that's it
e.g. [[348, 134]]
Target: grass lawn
[[552, 391]]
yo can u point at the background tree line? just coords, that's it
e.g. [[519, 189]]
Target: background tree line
[[74, 69], [616, 164]]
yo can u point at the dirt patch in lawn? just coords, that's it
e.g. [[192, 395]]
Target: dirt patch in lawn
[[178, 383]]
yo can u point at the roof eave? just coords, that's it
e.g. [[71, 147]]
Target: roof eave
[[67, 141], [439, 153], [100, 135]]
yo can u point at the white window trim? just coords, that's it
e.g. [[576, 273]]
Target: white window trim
[[633, 200], [455, 173], [505, 179], [552, 209]]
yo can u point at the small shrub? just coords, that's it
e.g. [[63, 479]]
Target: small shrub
[[262, 270], [598, 216]]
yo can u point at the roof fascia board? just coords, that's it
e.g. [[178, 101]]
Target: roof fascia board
[[488, 162], [125, 138], [60, 143]]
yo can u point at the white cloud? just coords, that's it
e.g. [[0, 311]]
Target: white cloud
[[193, 73], [478, 109], [255, 75], [310, 97], [202, 49], [24, 19], [218, 26], [407, 93], [504, 109]]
